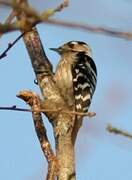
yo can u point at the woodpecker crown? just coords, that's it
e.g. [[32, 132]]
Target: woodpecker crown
[[74, 46]]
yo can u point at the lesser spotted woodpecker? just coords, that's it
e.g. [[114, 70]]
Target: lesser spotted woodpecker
[[76, 74]]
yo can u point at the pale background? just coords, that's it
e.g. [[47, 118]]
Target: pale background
[[99, 155]]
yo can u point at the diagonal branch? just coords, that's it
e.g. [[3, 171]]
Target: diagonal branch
[[32, 18], [91, 28], [9, 20], [22, 6], [115, 130], [10, 45], [34, 101]]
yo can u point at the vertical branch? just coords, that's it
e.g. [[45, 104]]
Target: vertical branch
[[66, 157]]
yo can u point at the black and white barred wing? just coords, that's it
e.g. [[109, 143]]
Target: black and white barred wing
[[84, 81]]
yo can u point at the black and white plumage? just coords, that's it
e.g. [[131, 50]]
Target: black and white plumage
[[76, 74], [84, 81]]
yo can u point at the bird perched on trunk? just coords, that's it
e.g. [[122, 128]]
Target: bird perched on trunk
[[76, 74]]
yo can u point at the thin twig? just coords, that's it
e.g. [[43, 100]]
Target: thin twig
[[10, 45], [115, 130], [32, 17], [14, 108], [91, 28], [28, 10], [62, 6], [4, 28], [9, 19]]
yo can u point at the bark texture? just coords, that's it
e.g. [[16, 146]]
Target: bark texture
[[62, 122]]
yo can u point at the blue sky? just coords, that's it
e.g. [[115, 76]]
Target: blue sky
[[98, 154]]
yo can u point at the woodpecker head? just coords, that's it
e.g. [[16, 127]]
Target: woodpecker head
[[73, 47]]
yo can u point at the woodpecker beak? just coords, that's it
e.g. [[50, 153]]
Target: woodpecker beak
[[58, 50]]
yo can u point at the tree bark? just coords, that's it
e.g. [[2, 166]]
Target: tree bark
[[62, 123], [66, 158]]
